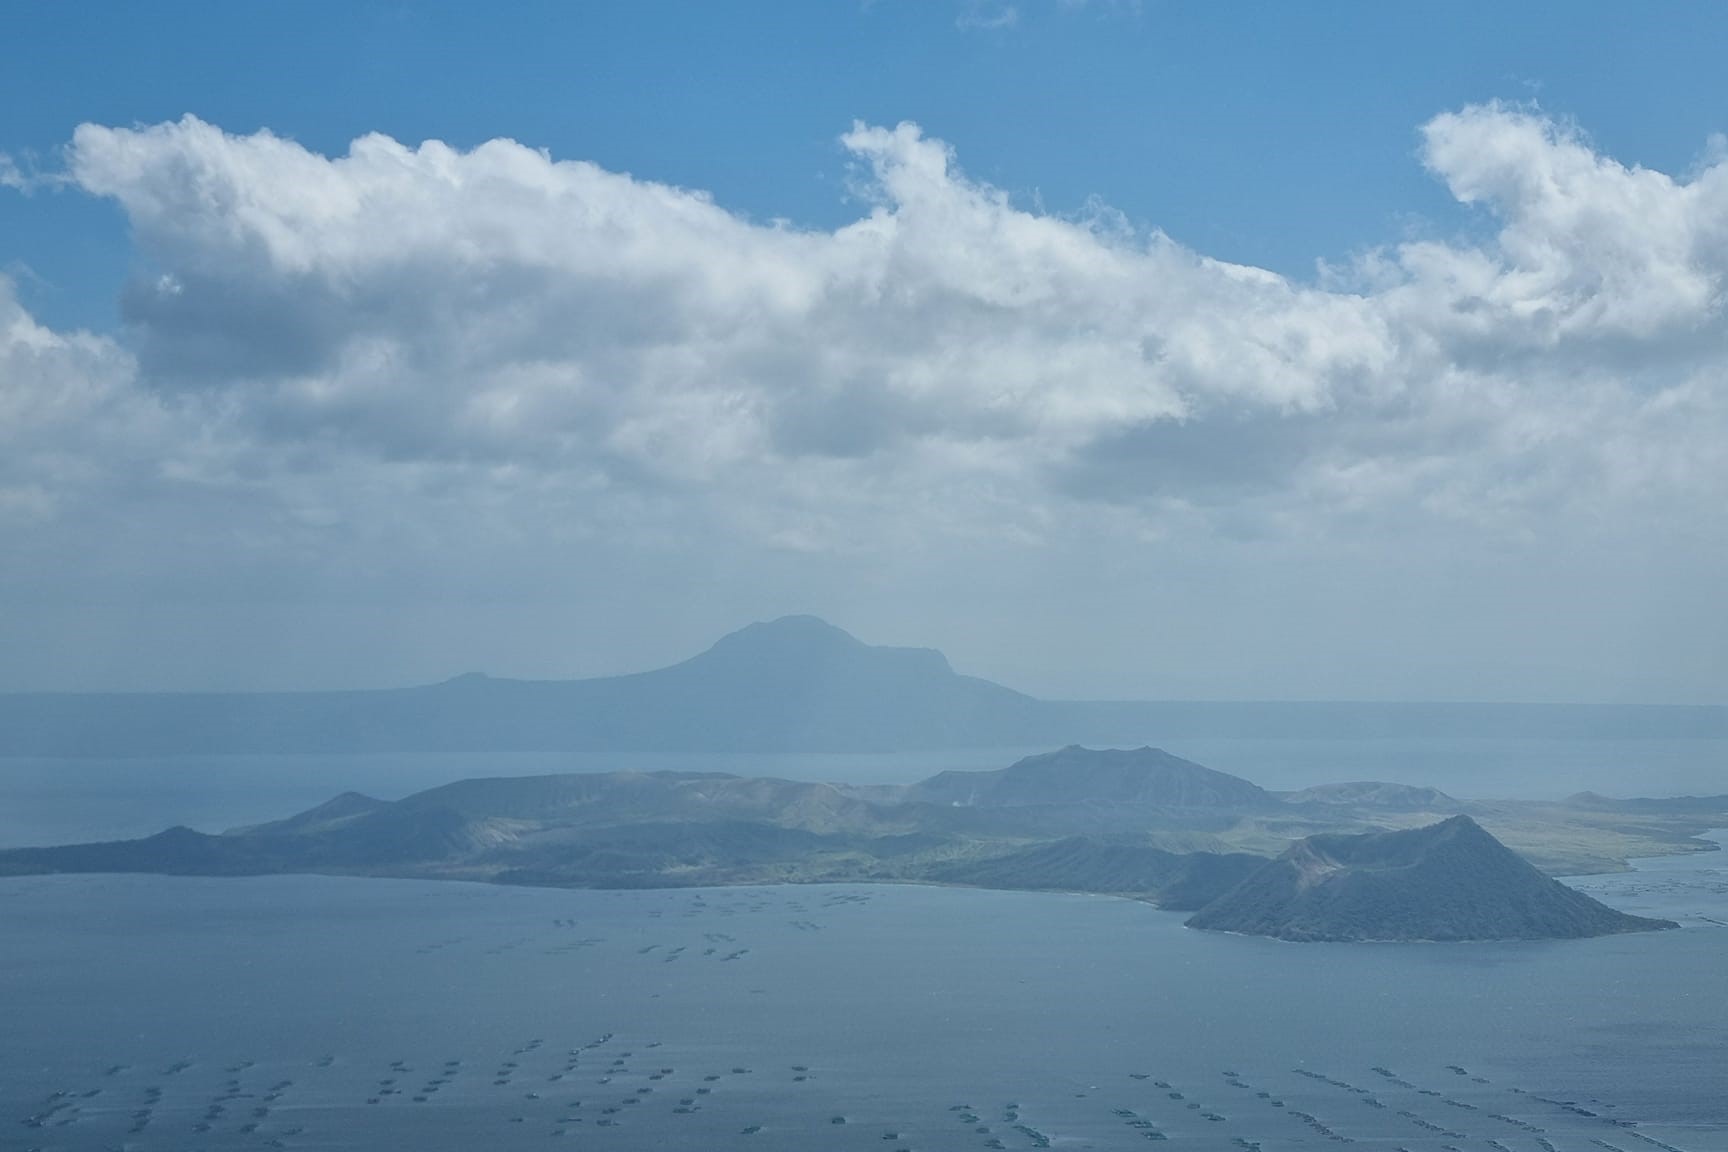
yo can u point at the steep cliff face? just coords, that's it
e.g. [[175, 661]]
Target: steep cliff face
[[1447, 881]]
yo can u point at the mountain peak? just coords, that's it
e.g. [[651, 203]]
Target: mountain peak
[[1460, 826], [1447, 881], [464, 679], [796, 643], [788, 630], [1093, 776]]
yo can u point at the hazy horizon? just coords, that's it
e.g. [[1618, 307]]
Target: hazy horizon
[[958, 670], [1115, 351]]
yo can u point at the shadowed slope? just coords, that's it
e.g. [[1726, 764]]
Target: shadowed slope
[[708, 827], [1447, 881], [1138, 822]]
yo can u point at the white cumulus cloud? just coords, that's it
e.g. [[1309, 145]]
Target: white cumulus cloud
[[429, 304], [339, 354]]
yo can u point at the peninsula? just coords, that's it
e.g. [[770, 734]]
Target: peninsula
[[1369, 860]]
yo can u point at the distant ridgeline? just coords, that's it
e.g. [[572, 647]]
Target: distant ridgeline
[[1139, 823], [793, 685]]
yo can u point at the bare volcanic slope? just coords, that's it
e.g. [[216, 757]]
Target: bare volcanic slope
[[620, 828], [1136, 822], [1446, 881], [1139, 776], [1377, 794], [632, 828]]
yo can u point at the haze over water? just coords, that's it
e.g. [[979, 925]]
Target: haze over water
[[941, 1018], [947, 1018]]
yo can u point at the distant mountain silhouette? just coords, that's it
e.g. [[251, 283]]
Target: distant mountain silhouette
[[1667, 805], [796, 684], [790, 685], [1447, 881]]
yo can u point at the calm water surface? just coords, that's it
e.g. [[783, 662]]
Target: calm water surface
[[325, 1013], [312, 1012]]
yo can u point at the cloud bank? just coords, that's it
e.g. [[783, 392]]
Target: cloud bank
[[334, 364]]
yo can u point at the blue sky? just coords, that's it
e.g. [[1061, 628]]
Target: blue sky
[[1117, 349], [1271, 134]]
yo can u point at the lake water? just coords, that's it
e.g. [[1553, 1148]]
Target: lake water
[[334, 1013], [1686, 889], [324, 1013], [47, 801]]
